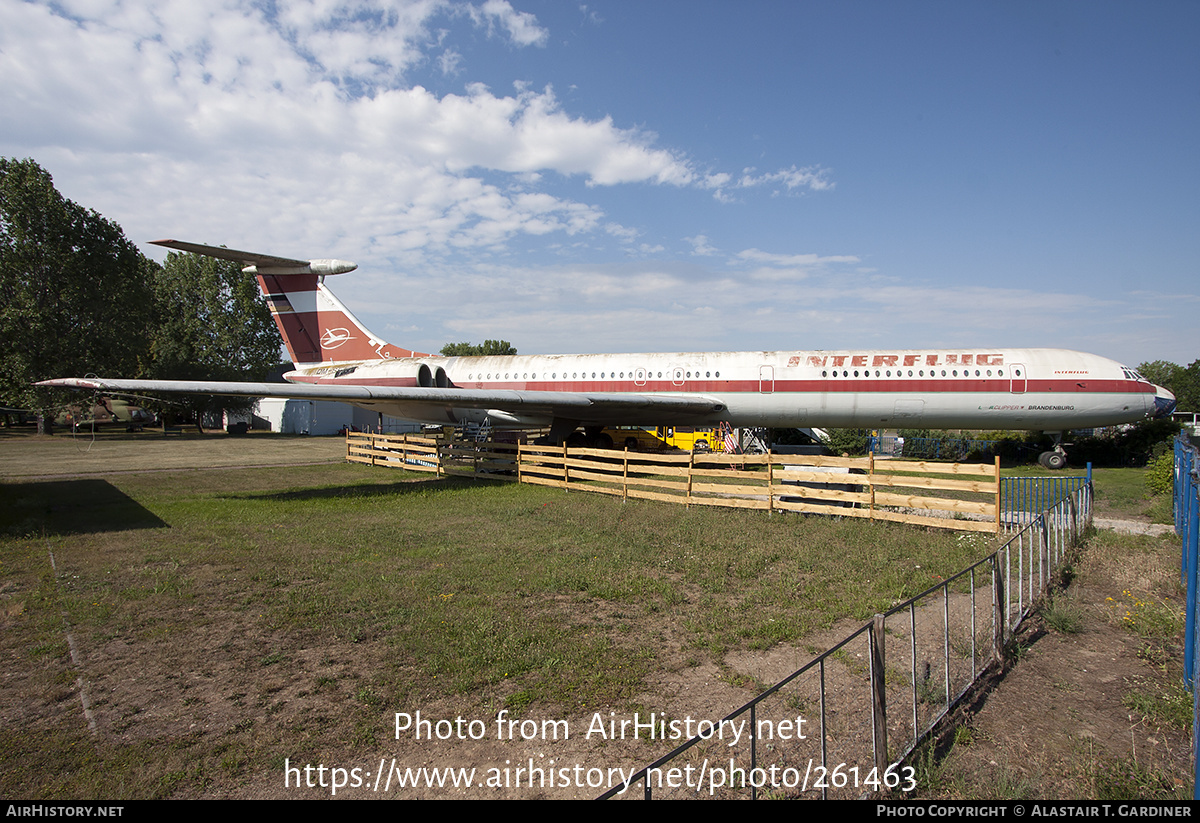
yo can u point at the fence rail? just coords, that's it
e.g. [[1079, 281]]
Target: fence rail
[[964, 497], [873, 697]]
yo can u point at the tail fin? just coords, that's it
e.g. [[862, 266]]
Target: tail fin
[[316, 327]]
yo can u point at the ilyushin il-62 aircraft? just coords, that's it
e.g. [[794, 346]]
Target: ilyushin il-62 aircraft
[[337, 358]]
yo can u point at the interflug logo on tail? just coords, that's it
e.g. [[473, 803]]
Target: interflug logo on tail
[[332, 338]]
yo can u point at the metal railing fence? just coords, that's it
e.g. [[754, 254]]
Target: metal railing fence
[[1023, 498], [842, 724], [1186, 505]]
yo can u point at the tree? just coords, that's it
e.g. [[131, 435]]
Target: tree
[[75, 290], [488, 347], [1183, 383], [847, 441], [211, 323]]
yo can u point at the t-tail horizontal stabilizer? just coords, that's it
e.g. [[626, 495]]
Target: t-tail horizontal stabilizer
[[256, 263], [316, 327]]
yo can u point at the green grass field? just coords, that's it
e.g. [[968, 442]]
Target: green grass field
[[224, 617]]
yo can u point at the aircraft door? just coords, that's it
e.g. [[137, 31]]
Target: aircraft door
[[1017, 378], [639, 377], [677, 375], [766, 379]]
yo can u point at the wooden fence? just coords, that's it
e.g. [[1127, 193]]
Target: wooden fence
[[943, 495]]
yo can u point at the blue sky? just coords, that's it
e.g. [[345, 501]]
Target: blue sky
[[614, 176]]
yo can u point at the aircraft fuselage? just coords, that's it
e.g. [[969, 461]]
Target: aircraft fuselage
[[1034, 389]]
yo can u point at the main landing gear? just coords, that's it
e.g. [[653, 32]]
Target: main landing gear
[[1053, 460], [565, 432], [592, 437], [1056, 458]]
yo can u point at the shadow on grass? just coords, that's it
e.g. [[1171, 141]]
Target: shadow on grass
[[360, 490], [61, 507]]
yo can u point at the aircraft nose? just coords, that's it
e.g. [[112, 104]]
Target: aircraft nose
[[1164, 403]]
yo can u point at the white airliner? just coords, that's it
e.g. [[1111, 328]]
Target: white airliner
[[337, 358]]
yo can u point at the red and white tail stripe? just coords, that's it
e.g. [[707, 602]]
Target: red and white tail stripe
[[316, 327]]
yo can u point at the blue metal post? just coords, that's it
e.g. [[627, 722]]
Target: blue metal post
[[1190, 631], [1189, 549]]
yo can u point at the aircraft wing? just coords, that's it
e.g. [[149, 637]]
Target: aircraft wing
[[586, 406]]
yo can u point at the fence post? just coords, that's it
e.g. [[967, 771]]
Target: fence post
[[1074, 520], [871, 475], [1047, 547], [1190, 545], [770, 481], [625, 476], [998, 507], [999, 607], [879, 692], [691, 464]]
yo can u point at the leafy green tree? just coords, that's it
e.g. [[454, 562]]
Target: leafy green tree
[[211, 323], [1184, 383], [847, 441], [488, 347], [75, 290]]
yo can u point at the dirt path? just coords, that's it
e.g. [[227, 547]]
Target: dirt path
[[1076, 716], [1132, 526]]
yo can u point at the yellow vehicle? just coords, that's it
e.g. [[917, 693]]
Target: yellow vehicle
[[660, 438]]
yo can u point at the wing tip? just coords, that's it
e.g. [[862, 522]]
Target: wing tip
[[70, 383]]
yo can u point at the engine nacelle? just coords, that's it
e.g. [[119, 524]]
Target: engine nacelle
[[422, 374], [430, 377]]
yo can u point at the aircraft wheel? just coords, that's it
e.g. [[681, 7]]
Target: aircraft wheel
[[576, 440], [1055, 461], [604, 441]]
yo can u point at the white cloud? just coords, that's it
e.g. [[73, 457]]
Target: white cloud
[[522, 27], [793, 259], [623, 233], [813, 178], [298, 128], [450, 62], [789, 180], [701, 246], [235, 112], [299, 121]]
